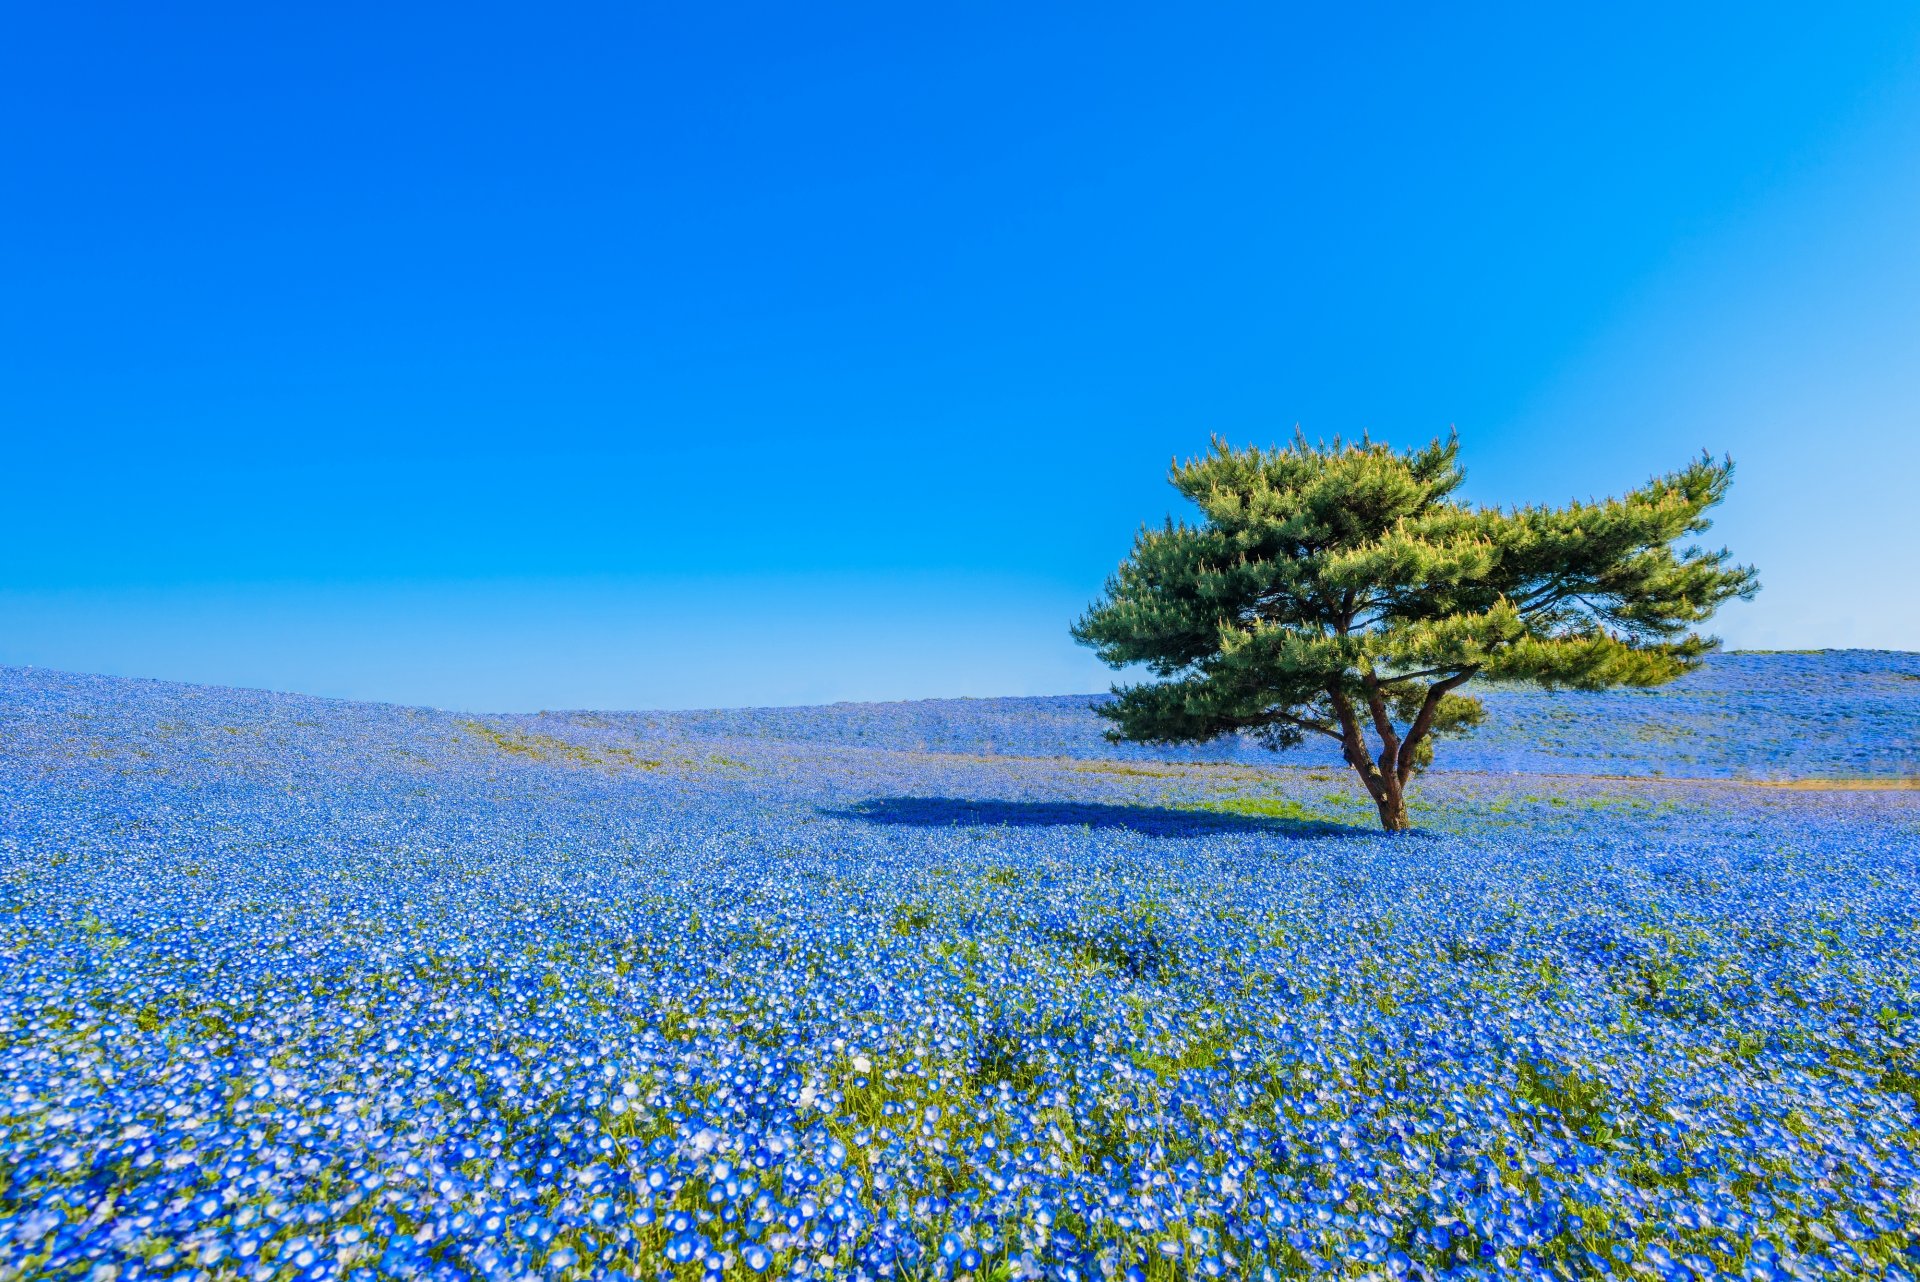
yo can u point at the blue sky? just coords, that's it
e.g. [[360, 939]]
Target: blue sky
[[505, 357]]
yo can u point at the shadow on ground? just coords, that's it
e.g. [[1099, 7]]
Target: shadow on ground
[[1153, 821]]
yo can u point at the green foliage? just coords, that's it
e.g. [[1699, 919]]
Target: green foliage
[[1343, 591]]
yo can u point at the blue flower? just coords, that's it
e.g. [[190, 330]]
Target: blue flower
[[336, 989]]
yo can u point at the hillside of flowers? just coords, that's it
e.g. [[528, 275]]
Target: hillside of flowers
[[303, 989], [1757, 716]]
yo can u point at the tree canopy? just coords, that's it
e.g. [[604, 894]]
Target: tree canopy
[[1343, 591]]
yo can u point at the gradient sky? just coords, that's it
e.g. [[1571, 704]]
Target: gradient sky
[[511, 357]]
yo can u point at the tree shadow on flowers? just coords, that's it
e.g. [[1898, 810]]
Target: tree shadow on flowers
[[1152, 821]]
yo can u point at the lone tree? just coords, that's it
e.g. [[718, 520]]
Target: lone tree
[[1343, 591]]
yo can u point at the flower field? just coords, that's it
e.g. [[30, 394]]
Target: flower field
[[293, 988]]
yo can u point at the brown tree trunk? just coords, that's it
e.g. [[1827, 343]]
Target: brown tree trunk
[[1383, 784], [1388, 797], [1393, 810]]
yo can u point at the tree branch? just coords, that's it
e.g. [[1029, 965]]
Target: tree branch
[[1418, 676], [1319, 726], [1423, 720], [1382, 720], [1352, 740]]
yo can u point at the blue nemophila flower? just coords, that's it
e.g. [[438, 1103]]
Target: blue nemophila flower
[[403, 994]]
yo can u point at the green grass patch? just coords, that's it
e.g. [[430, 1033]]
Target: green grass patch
[[551, 749]]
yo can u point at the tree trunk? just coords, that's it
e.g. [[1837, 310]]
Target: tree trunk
[[1393, 810], [1388, 796], [1383, 783]]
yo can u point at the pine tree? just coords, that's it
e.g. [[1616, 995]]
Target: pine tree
[[1343, 591]]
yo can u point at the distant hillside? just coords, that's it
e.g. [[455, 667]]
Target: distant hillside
[[1761, 715], [1828, 714]]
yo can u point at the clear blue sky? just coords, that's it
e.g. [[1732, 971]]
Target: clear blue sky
[[534, 356]]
